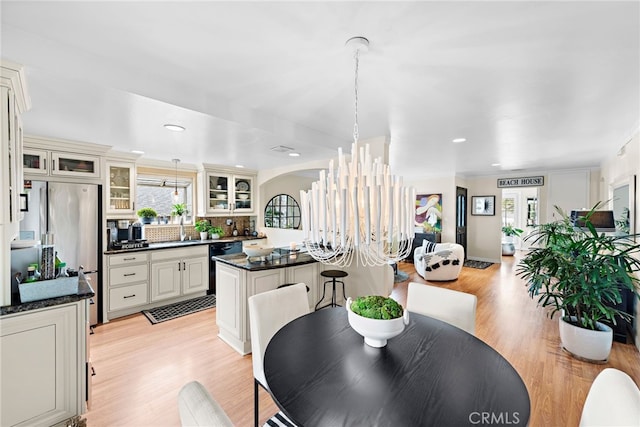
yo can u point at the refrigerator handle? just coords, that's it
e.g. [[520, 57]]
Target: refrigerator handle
[[25, 206]]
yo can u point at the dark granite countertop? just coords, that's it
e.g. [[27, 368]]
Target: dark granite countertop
[[279, 258], [84, 291], [180, 244]]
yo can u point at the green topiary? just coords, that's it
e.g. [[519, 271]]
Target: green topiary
[[147, 213]]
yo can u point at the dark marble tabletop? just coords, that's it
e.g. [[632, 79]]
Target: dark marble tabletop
[[279, 258]]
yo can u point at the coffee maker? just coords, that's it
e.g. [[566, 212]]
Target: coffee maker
[[124, 235]]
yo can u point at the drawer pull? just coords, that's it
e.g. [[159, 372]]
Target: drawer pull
[[129, 274], [129, 296], [129, 259]]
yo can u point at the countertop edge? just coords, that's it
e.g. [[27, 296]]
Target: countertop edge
[[85, 291], [260, 266], [179, 244]]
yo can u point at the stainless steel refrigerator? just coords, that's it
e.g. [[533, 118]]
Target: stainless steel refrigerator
[[72, 213]]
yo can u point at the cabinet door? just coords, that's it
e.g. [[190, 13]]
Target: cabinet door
[[243, 199], [307, 274], [195, 275], [228, 293], [67, 164], [219, 193], [165, 279], [265, 280], [120, 188], [40, 367], [35, 161]]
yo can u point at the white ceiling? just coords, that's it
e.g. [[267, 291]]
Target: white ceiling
[[531, 85]]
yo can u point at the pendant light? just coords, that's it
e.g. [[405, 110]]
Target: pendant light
[[358, 210], [176, 196]]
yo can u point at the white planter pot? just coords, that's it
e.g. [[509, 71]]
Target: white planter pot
[[508, 249], [586, 344], [203, 235], [215, 236]]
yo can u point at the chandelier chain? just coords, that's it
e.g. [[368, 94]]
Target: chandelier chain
[[355, 126]]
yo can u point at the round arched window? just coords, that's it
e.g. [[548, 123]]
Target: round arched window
[[282, 211]]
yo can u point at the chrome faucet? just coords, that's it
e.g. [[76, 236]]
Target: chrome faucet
[[183, 233]]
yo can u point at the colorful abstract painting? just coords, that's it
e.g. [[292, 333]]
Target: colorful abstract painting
[[429, 212]]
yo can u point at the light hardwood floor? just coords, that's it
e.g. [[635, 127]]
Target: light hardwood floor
[[140, 367]]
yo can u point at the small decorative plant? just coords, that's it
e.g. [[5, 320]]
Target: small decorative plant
[[179, 209], [216, 230], [377, 307], [147, 213], [202, 226]]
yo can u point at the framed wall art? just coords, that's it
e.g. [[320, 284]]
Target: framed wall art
[[428, 215], [483, 205]]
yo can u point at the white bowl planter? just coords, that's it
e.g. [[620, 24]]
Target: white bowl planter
[[257, 250], [587, 344], [376, 332]]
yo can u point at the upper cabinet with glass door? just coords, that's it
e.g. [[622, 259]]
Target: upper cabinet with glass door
[[43, 157], [120, 188], [225, 193]]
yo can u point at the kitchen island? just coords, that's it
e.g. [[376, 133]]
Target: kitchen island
[[239, 277]]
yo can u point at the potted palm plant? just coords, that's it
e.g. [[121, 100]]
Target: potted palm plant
[[507, 243], [581, 274]]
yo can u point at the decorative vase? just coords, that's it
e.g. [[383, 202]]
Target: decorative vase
[[586, 344], [376, 332], [508, 249]]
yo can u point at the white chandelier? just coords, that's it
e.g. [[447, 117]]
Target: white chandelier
[[358, 209]]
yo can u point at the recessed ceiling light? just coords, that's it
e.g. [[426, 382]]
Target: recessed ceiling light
[[458, 140], [175, 128], [239, 166], [495, 164], [137, 151], [294, 154]]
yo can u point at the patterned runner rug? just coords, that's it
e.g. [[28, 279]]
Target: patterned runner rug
[[179, 309], [477, 264]]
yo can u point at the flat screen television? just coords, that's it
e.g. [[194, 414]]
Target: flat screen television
[[601, 220]]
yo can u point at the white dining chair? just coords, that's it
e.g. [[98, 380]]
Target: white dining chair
[[268, 312], [198, 408], [613, 400], [454, 307]]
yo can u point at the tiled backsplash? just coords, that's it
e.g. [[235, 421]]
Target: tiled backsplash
[[171, 232]]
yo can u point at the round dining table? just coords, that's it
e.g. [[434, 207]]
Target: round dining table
[[321, 373]]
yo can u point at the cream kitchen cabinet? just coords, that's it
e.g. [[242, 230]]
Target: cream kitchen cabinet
[[179, 272], [127, 287], [57, 163], [14, 101], [44, 365], [121, 180], [42, 157], [225, 193]]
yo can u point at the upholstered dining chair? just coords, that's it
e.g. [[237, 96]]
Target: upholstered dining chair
[[268, 312], [454, 307], [198, 408], [613, 400]]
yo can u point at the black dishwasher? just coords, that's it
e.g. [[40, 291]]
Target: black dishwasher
[[216, 249]]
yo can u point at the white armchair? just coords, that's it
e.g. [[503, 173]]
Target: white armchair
[[443, 263]]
